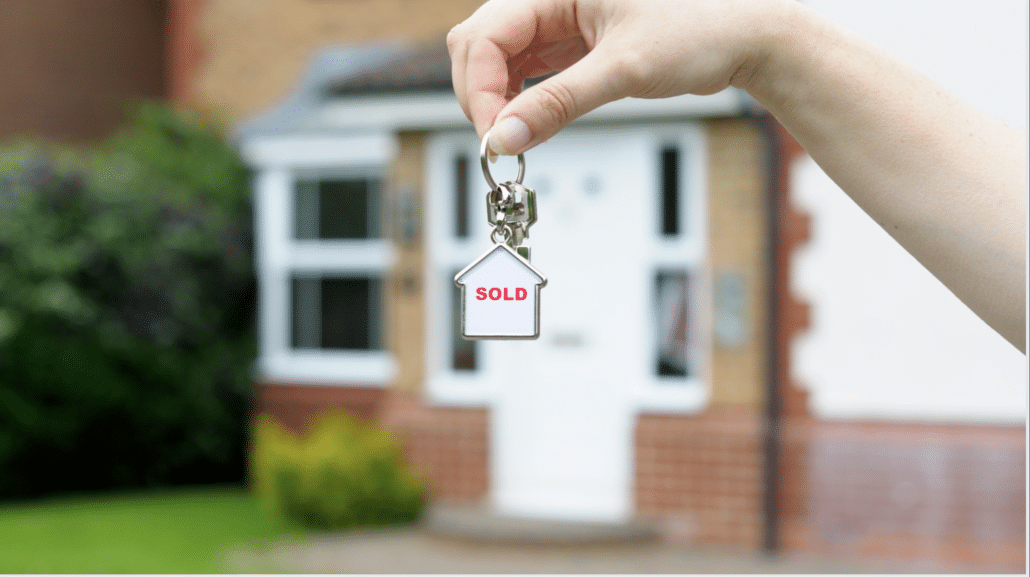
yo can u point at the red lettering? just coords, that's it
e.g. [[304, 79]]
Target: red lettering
[[499, 294]]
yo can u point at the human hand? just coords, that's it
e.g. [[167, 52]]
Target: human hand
[[605, 50]]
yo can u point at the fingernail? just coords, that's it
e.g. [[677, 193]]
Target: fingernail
[[509, 136], [493, 156]]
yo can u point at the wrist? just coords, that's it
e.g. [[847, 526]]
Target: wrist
[[780, 43]]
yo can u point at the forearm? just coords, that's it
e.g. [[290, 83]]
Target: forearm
[[947, 182]]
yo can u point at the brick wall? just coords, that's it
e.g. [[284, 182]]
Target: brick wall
[[296, 405], [266, 46], [737, 186], [701, 477], [405, 296], [449, 445], [70, 68], [940, 496]]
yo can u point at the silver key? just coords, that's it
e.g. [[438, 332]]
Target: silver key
[[500, 290], [515, 206]]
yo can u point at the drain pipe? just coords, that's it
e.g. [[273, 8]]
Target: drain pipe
[[775, 189]]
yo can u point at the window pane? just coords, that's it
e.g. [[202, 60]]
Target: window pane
[[463, 352], [670, 205], [307, 321], [461, 196], [337, 313], [339, 208], [673, 324]]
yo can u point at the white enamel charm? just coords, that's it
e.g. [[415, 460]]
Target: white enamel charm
[[500, 296]]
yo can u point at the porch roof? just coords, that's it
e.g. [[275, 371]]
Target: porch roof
[[386, 87]]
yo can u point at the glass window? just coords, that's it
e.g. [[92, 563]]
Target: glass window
[[463, 351], [461, 196], [670, 190], [336, 313], [336, 208], [672, 304]]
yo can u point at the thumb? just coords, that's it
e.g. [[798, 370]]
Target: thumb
[[542, 110]]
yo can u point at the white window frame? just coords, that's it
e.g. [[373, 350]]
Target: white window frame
[[686, 251], [280, 162], [446, 253]]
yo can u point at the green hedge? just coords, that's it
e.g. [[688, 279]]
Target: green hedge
[[127, 299], [343, 473]]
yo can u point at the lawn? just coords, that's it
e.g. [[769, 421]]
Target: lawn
[[185, 531]]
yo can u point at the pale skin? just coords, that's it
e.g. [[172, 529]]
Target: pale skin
[[946, 181]]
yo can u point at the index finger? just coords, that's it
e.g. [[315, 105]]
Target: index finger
[[502, 33]]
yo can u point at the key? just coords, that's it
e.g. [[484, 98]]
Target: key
[[500, 290], [515, 204]]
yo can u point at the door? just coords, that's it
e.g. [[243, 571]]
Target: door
[[563, 412]]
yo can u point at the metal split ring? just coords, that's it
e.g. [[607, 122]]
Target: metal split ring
[[486, 164], [503, 230]]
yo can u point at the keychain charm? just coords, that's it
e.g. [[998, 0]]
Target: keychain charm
[[500, 290]]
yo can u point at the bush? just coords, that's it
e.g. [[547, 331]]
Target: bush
[[127, 300], [343, 473]]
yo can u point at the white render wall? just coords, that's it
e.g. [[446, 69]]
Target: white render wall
[[887, 340]]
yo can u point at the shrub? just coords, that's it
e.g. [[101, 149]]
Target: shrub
[[343, 473], [127, 301]]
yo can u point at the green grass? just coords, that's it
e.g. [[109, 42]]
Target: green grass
[[186, 531]]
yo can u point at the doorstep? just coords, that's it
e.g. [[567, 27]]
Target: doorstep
[[482, 525]]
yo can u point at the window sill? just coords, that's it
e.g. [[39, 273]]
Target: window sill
[[459, 390], [370, 368], [672, 395]]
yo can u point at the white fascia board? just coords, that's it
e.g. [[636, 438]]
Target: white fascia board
[[441, 110], [320, 150]]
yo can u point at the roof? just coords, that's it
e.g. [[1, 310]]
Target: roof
[[396, 85], [426, 67]]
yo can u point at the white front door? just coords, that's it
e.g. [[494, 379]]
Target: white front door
[[562, 420]]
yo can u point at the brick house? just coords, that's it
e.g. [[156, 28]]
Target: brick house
[[664, 392]]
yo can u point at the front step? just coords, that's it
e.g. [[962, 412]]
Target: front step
[[483, 525]]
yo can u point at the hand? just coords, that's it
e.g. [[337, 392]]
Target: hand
[[605, 50]]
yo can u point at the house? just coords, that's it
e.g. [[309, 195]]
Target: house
[[661, 385], [367, 222]]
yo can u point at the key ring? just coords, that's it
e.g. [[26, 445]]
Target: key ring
[[486, 164]]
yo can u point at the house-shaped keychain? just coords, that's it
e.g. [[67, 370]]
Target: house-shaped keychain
[[500, 296]]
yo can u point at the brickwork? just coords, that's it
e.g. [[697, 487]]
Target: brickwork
[[794, 228], [701, 477], [71, 68], [737, 240], [184, 49], [405, 297], [449, 445], [945, 496], [296, 405], [266, 46]]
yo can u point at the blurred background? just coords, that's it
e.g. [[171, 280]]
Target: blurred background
[[228, 236]]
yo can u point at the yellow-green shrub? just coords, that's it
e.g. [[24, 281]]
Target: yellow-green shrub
[[343, 473]]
